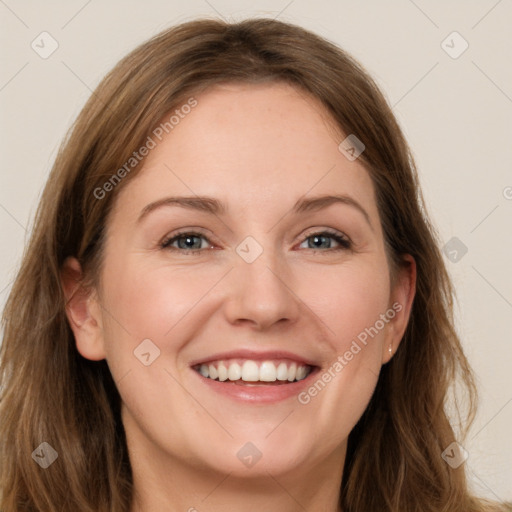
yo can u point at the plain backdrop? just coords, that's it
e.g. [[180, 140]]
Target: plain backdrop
[[452, 94]]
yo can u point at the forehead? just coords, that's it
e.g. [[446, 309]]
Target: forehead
[[256, 145], [241, 122]]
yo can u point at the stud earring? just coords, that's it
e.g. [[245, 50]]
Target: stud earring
[[390, 349]]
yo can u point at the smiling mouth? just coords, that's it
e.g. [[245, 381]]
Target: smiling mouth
[[251, 372]]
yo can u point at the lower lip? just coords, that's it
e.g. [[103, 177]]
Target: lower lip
[[258, 393]]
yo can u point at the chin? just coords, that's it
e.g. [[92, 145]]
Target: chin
[[253, 453]]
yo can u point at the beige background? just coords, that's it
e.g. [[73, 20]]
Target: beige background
[[456, 113]]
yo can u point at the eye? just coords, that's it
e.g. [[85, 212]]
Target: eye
[[192, 242], [186, 242], [322, 240]]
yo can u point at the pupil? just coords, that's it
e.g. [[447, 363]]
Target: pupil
[[189, 241], [316, 239]]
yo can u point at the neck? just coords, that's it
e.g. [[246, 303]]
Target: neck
[[165, 483]]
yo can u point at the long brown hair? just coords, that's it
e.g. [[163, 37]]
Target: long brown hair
[[49, 393]]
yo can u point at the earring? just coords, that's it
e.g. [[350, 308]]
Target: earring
[[390, 349]]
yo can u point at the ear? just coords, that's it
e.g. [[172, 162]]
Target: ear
[[83, 311], [402, 297]]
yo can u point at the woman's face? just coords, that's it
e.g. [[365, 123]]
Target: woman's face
[[266, 281]]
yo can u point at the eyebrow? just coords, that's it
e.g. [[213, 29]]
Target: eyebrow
[[215, 207]]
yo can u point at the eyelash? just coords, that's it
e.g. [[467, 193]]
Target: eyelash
[[344, 242]]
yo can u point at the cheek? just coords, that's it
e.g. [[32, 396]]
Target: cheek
[[349, 299], [353, 305], [158, 303], [150, 302]]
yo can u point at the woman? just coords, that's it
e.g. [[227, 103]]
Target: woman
[[232, 298]]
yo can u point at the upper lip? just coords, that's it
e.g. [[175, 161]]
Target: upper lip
[[254, 355]]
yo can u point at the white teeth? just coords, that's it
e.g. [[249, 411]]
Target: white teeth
[[291, 372], [213, 371], [268, 372], [282, 372], [223, 372], [234, 372], [204, 370], [252, 371], [301, 373]]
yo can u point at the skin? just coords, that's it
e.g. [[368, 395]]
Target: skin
[[258, 149]]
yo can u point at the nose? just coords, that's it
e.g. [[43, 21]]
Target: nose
[[261, 293]]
